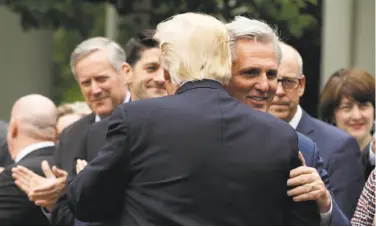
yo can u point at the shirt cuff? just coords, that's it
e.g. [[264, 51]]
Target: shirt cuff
[[372, 156], [326, 218]]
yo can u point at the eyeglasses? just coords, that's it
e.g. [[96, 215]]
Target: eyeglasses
[[289, 82]]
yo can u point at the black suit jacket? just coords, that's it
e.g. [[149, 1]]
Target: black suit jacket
[[93, 139], [67, 151], [368, 167], [70, 142], [199, 157], [5, 158], [341, 155], [15, 207]]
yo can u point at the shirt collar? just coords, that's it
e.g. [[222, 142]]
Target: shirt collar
[[297, 117], [127, 99], [33, 147]]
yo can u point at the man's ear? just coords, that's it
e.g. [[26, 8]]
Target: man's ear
[[170, 88], [301, 88], [13, 129], [166, 75], [127, 72]]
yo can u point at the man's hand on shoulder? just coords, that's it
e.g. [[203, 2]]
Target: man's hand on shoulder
[[307, 185]]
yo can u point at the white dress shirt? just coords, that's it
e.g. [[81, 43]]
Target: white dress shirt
[[27, 150], [297, 117], [127, 99], [372, 156], [325, 217]]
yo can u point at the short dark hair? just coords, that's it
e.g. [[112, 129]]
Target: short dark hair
[[136, 45], [352, 83]]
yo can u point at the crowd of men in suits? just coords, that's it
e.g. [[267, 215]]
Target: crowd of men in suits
[[194, 123]]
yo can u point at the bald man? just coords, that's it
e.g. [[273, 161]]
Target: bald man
[[31, 135]]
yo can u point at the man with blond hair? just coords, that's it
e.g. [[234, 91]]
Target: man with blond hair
[[196, 157]]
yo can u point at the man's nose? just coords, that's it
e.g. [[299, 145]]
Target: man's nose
[[95, 88], [280, 90], [158, 77], [262, 84]]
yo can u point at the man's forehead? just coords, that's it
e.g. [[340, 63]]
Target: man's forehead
[[288, 67], [150, 55], [257, 57], [253, 49]]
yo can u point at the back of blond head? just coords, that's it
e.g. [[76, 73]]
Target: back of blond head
[[245, 28], [36, 116], [194, 47]]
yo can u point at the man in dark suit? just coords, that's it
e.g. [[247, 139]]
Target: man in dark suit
[[102, 83], [98, 64], [192, 158], [312, 158], [257, 91], [338, 149], [145, 81], [31, 138]]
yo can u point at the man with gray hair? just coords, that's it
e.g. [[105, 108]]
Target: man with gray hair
[[144, 80], [196, 157], [339, 150], [256, 57], [30, 138], [99, 67]]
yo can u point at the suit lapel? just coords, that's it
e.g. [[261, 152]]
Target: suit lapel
[[304, 125]]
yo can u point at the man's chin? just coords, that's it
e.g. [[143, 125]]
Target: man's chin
[[156, 93], [102, 110], [279, 113]]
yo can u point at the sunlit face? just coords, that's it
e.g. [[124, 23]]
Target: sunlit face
[[146, 80], [286, 100], [355, 118], [102, 86], [254, 74]]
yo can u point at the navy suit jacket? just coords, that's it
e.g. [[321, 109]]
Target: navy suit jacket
[[312, 157], [341, 155], [199, 157]]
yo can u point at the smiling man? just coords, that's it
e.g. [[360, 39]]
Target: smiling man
[[99, 67], [340, 152], [145, 75], [252, 60], [256, 58]]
